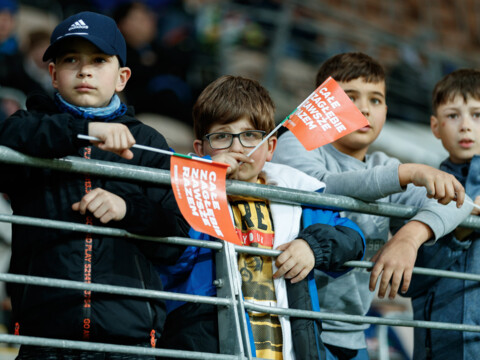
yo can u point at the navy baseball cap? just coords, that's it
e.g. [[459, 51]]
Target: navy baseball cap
[[9, 5], [100, 30]]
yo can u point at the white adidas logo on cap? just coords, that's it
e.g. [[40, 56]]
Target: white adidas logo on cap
[[80, 24]]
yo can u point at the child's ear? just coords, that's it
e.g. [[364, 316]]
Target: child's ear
[[53, 73], [272, 145], [434, 125], [198, 147], [124, 74]]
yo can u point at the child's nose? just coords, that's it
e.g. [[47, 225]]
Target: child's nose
[[236, 145], [466, 123], [364, 106], [84, 71]]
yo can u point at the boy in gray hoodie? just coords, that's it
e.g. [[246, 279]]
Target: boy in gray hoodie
[[347, 169]]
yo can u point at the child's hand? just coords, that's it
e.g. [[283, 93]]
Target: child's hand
[[295, 262], [235, 160], [396, 259], [440, 185], [116, 138], [103, 205]]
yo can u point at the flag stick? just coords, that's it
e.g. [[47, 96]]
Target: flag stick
[[149, 148], [472, 203], [271, 133]]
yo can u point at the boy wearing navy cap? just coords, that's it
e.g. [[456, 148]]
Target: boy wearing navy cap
[[87, 67]]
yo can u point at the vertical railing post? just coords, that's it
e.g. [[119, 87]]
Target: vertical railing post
[[232, 325]]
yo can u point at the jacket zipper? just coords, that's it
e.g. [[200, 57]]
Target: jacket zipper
[[149, 306]]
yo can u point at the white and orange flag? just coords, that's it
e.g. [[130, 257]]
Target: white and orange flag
[[325, 116], [199, 188]]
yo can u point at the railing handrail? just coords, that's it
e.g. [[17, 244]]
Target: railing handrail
[[135, 292], [162, 177], [233, 187]]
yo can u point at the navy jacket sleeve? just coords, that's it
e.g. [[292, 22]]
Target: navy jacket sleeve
[[43, 134], [333, 239]]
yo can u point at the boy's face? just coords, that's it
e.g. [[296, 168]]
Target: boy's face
[[247, 171], [370, 100], [86, 77], [457, 124]]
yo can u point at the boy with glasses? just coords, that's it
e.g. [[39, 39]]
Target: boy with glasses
[[232, 116]]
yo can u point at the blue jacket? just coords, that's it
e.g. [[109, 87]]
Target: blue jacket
[[449, 300], [195, 272]]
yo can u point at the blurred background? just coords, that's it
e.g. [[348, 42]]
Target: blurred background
[[175, 48]]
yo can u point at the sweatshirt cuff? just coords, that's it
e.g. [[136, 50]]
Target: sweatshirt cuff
[[442, 219], [430, 219], [387, 176]]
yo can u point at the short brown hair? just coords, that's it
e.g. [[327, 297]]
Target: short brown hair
[[464, 82], [230, 98], [350, 66]]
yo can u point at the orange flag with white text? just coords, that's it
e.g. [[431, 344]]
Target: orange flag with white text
[[199, 189], [325, 116]]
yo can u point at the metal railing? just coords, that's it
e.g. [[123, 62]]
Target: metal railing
[[234, 340]]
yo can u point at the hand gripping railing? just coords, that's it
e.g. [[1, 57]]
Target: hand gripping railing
[[234, 340]]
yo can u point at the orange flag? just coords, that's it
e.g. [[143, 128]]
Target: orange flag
[[325, 116], [199, 189]]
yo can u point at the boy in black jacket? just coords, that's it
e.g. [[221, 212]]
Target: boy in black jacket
[[87, 54]]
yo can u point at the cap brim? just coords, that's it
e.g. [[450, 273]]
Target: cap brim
[[104, 47]]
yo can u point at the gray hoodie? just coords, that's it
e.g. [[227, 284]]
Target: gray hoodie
[[376, 178]]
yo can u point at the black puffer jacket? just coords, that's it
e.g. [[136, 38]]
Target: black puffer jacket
[[49, 194]]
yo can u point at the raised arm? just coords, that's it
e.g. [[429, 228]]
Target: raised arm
[[335, 169], [43, 135], [55, 135], [344, 175]]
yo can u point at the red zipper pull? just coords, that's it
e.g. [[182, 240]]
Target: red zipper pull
[[153, 341]]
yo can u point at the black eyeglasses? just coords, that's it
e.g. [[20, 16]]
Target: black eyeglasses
[[223, 140]]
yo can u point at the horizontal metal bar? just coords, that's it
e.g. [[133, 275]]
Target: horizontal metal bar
[[120, 290], [357, 319], [113, 289], [423, 271], [76, 164], [112, 348], [233, 187], [101, 230]]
